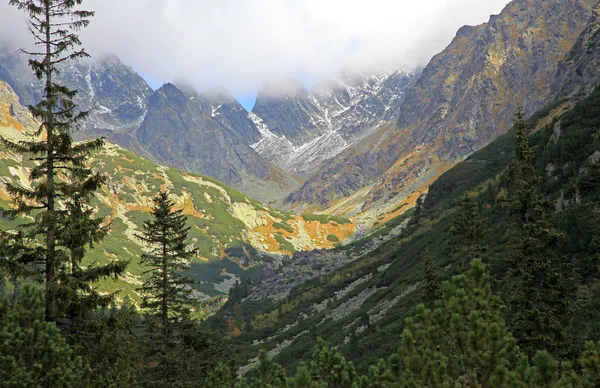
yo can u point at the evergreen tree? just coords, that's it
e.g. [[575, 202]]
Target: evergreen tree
[[467, 228], [462, 342], [539, 285], [111, 344], [185, 359], [33, 353], [166, 291], [267, 374], [221, 377], [431, 291], [331, 369], [52, 245]]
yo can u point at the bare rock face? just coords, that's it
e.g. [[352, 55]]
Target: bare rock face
[[289, 110], [579, 73], [114, 94], [177, 132], [465, 97], [13, 115], [302, 130]]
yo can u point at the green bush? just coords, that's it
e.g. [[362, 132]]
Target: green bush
[[333, 238]]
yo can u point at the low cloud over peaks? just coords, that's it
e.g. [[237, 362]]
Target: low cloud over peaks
[[242, 43]]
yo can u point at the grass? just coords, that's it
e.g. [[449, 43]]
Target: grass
[[284, 244]]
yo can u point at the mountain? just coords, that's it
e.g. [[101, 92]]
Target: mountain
[[359, 306], [578, 74], [464, 98], [222, 107], [193, 132], [266, 153], [124, 110], [301, 129], [114, 94], [235, 235], [289, 110]]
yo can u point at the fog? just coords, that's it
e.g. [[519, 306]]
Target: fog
[[240, 44]]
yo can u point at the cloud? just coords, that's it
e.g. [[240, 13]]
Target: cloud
[[242, 43]]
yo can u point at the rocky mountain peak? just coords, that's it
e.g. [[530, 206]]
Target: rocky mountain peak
[[465, 97], [186, 87], [279, 88]]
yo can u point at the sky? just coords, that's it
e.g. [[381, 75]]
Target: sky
[[240, 44]]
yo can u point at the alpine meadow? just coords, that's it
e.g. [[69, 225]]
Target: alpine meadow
[[299, 194]]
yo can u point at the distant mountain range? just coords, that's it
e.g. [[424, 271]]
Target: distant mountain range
[[266, 153], [359, 144], [235, 235], [358, 296]]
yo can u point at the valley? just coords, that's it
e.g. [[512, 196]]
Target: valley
[[434, 225]]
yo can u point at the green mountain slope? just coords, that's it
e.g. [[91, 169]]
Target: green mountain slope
[[360, 308], [236, 236]]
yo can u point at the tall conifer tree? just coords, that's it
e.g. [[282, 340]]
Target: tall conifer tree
[[61, 182], [539, 284], [432, 288], [166, 291], [467, 228]]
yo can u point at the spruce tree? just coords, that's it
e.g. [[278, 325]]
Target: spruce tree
[[33, 353], [431, 291], [166, 291], [468, 228], [538, 282], [266, 373], [462, 342], [329, 368], [52, 246]]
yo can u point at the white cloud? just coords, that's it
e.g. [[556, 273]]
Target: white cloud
[[241, 43]]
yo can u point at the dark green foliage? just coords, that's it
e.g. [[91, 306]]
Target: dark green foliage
[[53, 245], [431, 288], [539, 282], [176, 352], [110, 342], [468, 228], [332, 238], [324, 218], [221, 377], [267, 373], [166, 291], [33, 353], [285, 244], [463, 340], [186, 360], [330, 368], [283, 225]]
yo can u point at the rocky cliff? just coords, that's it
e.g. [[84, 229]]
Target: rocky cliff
[[191, 132], [465, 97], [579, 73], [114, 94], [301, 130]]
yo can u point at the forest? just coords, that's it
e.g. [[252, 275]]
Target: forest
[[503, 250]]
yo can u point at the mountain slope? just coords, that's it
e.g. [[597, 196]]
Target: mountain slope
[[301, 130], [235, 235], [360, 307], [113, 93], [188, 132], [125, 111], [579, 73], [465, 97]]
